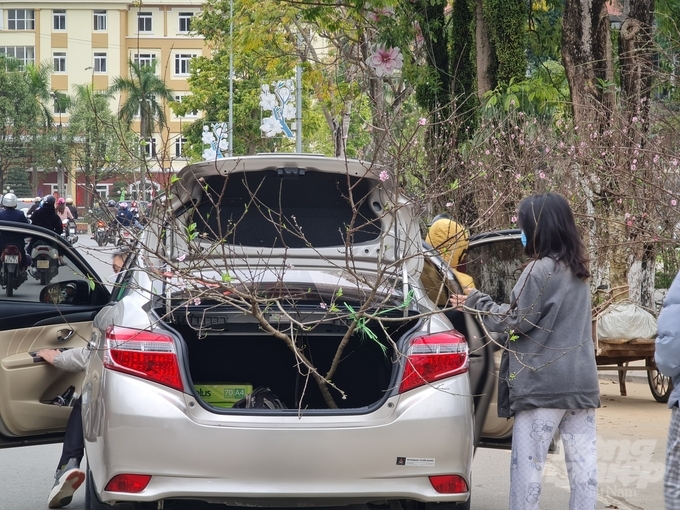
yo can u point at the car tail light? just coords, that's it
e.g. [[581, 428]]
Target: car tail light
[[434, 357], [128, 483], [10, 249], [449, 484], [144, 354], [101, 224]]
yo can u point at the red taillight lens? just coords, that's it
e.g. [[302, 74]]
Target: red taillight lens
[[143, 354], [10, 249], [434, 357], [449, 484], [101, 224], [128, 483]]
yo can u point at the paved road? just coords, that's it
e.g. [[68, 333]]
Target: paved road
[[631, 445]]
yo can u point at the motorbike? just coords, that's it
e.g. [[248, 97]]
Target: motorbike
[[13, 274], [45, 265], [102, 233], [69, 231]]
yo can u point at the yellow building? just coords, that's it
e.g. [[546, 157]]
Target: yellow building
[[92, 42]]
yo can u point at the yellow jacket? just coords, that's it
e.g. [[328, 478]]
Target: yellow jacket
[[450, 239]]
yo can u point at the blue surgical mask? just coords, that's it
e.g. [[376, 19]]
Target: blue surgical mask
[[523, 239]]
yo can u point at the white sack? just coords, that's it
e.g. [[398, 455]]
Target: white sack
[[626, 320]]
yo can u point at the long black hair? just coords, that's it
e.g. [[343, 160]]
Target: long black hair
[[549, 226]]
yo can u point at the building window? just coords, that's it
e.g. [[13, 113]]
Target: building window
[[20, 19], [190, 113], [24, 54], [145, 59], [100, 20], [150, 147], [182, 61], [185, 21], [144, 22], [100, 62], [103, 191], [59, 19], [59, 59], [180, 142]]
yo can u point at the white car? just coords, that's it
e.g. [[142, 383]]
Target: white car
[[397, 424]]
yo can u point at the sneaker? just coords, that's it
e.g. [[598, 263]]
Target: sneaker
[[67, 480]]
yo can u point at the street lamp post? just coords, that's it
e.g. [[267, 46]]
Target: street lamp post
[[60, 178]]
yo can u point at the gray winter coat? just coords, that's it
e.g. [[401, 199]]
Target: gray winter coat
[[667, 348], [73, 360], [549, 356]]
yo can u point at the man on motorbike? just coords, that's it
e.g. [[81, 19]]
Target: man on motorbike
[[48, 218], [9, 212], [34, 207], [72, 208], [125, 216]]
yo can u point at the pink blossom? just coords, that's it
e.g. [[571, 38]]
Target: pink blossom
[[629, 223], [541, 175], [182, 257], [674, 162], [634, 119], [674, 202], [197, 301], [323, 305], [513, 219], [380, 12], [619, 201], [385, 61], [422, 121], [626, 216], [633, 167], [518, 176], [656, 158], [487, 152], [384, 176], [449, 204]]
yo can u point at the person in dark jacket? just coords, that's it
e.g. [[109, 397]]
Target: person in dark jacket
[[9, 212], [47, 217], [548, 376], [667, 357], [72, 208], [34, 207]]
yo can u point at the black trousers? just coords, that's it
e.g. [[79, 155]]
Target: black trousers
[[74, 445]]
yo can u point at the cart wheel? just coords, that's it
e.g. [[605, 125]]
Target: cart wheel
[[660, 384]]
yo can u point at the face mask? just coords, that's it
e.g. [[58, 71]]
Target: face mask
[[523, 239]]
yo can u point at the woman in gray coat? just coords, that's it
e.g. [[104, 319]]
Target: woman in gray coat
[[667, 357], [548, 375]]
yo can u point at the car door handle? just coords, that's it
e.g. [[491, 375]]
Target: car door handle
[[64, 334]]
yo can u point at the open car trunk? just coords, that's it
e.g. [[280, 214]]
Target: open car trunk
[[240, 355]]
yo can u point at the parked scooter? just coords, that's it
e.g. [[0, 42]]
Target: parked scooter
[[69, 231], [13, 274], [45, 265]]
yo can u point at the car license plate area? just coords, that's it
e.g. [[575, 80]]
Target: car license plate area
[[43, 264], [11, 259]]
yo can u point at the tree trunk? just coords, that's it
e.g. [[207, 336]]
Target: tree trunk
[[485, 59]]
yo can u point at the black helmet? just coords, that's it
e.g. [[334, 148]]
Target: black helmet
[[49, 199], [443, 216], [111, 203]]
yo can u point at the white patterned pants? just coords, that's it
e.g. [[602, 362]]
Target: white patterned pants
[[671, 479], [531, 436]]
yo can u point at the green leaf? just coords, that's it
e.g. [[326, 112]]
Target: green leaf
[[226, 277], [338, 292], [174, 179]]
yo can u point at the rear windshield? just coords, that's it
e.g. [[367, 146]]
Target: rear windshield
[[265, 209]]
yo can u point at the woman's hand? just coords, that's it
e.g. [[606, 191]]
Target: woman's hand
[[49, 355], [457, 300]]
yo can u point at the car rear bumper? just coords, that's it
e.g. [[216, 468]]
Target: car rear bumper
[[273, 460]]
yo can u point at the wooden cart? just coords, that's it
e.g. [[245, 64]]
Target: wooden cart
[[616, 354]]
